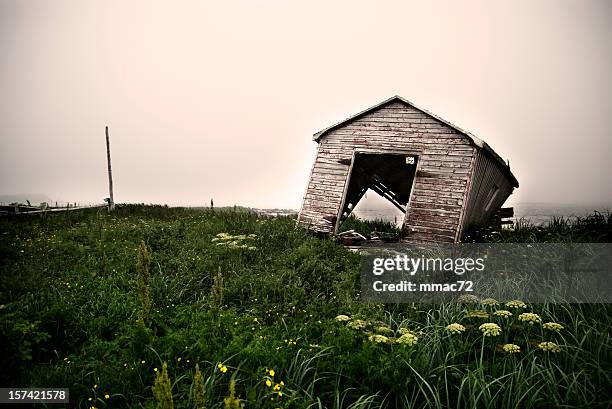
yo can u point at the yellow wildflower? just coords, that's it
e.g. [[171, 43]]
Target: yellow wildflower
[[467, 299], [490, 302], [343, 318], [403, 331], [552, 326], [478, 314], [490, 329], [455, 328], [357, 324], [268, 383], [503, 313], [511, 348], [106, 396], [549, 346], [384, 330], [408, 339], [271, 372], [530, 318], [379, 339], [516, 304]]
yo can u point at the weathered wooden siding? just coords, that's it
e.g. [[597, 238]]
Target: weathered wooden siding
[[445, 158], [488, 173]]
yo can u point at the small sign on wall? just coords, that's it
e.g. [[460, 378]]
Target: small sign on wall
[[410, 160]]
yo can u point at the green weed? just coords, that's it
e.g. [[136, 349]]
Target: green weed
[[69, 317]]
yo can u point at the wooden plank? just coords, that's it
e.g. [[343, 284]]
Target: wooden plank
[[324, 171], [398, 132]]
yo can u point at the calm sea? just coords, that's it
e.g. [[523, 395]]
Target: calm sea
[[536, 213]]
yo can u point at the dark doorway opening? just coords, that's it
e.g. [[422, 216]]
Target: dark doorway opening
[[388, 174]]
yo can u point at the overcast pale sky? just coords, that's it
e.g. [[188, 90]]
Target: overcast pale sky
[[220, 99]]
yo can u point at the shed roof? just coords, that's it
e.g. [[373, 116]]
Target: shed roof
[[474, 139]]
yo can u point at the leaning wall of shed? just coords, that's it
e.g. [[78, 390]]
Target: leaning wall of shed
[[487, 173], [440, 186]]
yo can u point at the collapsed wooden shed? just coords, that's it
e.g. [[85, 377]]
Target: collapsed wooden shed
[[443, 178]]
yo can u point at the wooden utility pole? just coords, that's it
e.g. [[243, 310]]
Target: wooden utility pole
[[111, 202]]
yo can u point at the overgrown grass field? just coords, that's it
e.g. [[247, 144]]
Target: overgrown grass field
[[211, 309]]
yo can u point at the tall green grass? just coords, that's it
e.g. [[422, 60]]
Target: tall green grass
[[594, 228], [71, 316], [369, 227]]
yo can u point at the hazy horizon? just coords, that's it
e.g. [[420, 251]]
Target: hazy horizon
[[220, 100]]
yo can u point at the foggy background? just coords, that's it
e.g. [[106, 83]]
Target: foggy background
[[220, 99]]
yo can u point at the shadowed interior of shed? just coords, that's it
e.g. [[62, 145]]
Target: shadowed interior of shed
[[389, 175]]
